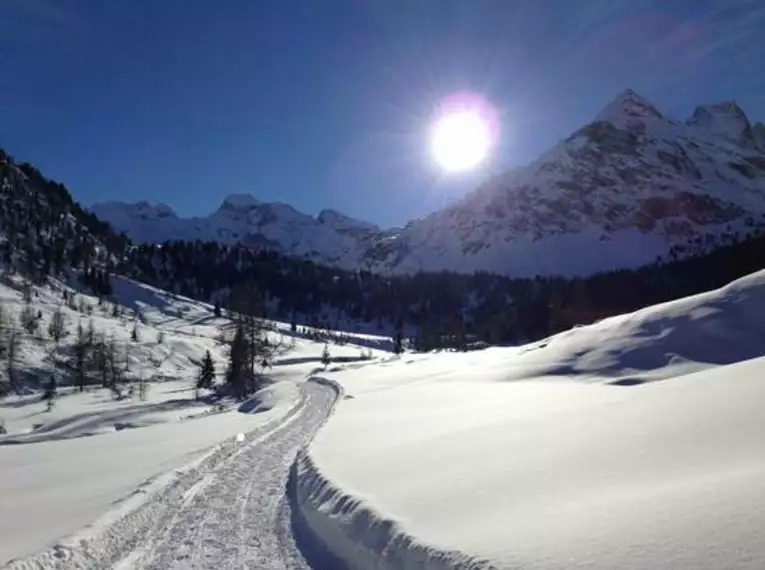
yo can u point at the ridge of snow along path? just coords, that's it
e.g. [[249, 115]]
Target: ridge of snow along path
[[228, 511]]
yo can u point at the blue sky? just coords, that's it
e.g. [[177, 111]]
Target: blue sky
[[326, 103]]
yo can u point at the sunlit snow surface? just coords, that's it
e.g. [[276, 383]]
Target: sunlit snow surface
[[554, 455], [72, 467], [632, 443]]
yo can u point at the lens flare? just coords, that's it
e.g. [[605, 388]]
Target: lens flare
[[464, 130]]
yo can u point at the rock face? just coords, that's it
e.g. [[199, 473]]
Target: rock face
[[623, 190]]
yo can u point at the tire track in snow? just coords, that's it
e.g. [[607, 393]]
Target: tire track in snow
[[228, 510], [238, 520]]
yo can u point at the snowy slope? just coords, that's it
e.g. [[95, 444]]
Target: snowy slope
[[624, 189], [92, 458], [442, 461], [627, 188]]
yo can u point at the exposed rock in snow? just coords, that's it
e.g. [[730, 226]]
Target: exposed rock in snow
[[758, 133], [628, 104], [724, 120]]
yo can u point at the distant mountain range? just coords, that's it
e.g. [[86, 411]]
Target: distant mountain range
[[630, 187]]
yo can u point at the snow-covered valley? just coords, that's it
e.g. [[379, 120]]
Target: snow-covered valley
[[72, 473], [635, 442]]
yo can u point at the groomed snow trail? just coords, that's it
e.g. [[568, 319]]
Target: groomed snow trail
[[237, 516], [229, 512]]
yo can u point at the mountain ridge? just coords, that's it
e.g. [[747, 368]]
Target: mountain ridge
[[629, 187]]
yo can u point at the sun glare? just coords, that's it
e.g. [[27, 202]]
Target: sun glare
[[462, 136]]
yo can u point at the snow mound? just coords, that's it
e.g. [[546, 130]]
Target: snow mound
[[357, 534], [710, 329], [268, 398]]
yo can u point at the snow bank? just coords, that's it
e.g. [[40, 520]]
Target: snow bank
[[357, 535], [711, 329], [351, 533]]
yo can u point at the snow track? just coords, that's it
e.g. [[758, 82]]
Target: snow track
[[228, 511]]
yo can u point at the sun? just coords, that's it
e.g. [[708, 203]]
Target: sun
[[463, 132], [460, 140]]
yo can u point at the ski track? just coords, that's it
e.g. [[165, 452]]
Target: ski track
[[229, 513], [231, 519]]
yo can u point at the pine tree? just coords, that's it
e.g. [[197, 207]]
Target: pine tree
[[28, 319], [57, 325], [216, 310], [78, 362], [49, 395], [11, 353], [206, 374], [90, 334], [249, 307], [100, 360], [115, 371], [326, 359], [398, 338], [134, 333], [238, 373], [26, 292]]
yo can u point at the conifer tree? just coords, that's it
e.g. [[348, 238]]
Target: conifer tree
[[78, 362], [57, 326], [239, 372], [206, 374], [49, 395]]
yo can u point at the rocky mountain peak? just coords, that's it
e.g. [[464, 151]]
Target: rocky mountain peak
[[623, 190], [159, 210], [239, 202], [341, 221], [628, 105], [724, 119]]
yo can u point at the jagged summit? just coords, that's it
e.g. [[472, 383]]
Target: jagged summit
[[628, 105], [239, 202], [724, 119], [339, 220]]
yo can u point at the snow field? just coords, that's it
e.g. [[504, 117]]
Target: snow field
[[552, 455]]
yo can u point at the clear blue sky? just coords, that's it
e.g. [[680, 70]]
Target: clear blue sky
[[325, 103]]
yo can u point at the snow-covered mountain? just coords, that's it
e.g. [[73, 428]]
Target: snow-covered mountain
[[330, 238], [623, 190]]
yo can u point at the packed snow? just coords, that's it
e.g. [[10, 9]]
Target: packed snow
[[632, 443]]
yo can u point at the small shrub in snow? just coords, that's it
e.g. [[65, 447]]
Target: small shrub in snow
[[326, 359], [49, 395]]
